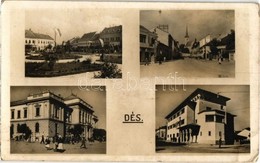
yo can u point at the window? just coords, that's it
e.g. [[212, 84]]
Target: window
[[142, 38], [182, 122], [26, 41], [33, 41], [79, 116], [19, 114], [37, 112], [12, 114], [173, 135], [201, 133], [209, 118], [209, 133], [25, 113], [112, 38], [208, 108], [178, 114], [182, 111], [219, 119], [196, 121], [37, 127], [29, 41], [177, 134], [56, 112], [18, 128], [222, 107]]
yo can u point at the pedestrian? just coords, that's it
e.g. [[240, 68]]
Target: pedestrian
[[60, 144], [42, 141], [160, 57], [146, 53], [219, 142], [219, 57], [83, 142], [47, 143]]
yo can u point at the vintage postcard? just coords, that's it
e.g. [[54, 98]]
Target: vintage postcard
[[129, 81]]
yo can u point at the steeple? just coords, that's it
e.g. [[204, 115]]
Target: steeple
[[187, 34], [186, 37]]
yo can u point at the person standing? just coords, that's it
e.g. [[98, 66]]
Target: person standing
[[60, 144], [219, 142], [42, 141], [146, 53], [83, 142]]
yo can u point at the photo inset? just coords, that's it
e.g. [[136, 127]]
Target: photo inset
[[203, 119], [68, 43], [194, 43], [49, 120]]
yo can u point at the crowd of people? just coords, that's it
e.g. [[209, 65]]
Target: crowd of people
[[56, 143]]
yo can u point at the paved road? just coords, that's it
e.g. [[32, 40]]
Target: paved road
[[190, 68], [36, 147], [204, 149]]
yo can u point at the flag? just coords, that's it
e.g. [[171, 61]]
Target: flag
[[101, 42], [57, 30]]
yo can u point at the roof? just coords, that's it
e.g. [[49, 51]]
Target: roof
[[30, 34], [206, 95], [114, 29], [73, 96], [87, 36], [142, 28]]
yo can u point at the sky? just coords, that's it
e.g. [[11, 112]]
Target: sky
[[239, 104], [95, 98], [200, 22], [71, 22]]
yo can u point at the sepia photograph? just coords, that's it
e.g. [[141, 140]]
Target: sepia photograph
[[49, 120], [202, 119], [194, 43], [73, 42]]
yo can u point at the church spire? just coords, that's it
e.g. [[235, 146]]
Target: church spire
[[187, 34]]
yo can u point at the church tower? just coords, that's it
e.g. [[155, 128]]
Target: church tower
[[186, 37]]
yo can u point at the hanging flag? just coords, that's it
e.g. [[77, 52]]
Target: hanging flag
[[101, 42], [57, 30]]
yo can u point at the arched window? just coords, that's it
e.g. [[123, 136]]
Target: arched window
[[37, 127]]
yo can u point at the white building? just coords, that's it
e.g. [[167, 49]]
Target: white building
[[201, 118], [38, 41], [47, 114], [82, 114]]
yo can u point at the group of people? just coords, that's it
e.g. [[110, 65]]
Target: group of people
[[58, 141]]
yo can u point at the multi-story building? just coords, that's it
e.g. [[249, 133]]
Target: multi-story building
[[48, 114], [165, 44], [112, 38], [161, 132], [38, 41], [82, 114], [147, 44], [202, 118]]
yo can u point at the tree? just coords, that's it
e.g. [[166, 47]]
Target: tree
[[99, 134], [213, 46], [231, 40], [25, 130], [51, 59], [109, 70], [77, 130]]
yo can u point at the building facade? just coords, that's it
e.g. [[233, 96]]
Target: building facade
[[201, 118], [161, 132], [82, 114], [38, 41], [165, 44], [44, 114], [112, 38], [147, 44]]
